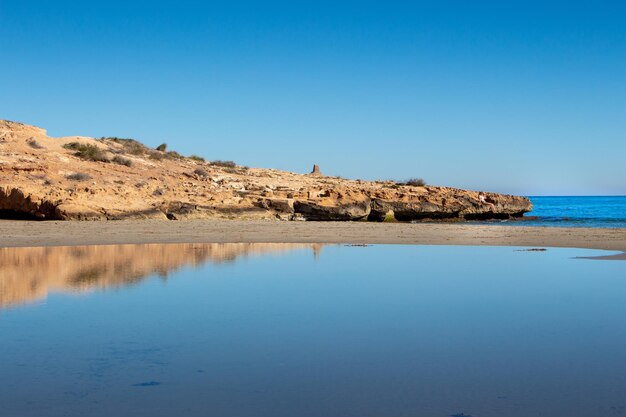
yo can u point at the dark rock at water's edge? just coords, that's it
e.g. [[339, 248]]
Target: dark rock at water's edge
[[461, 208], [350, 211]]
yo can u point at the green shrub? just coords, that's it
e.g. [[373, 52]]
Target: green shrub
[[122, 161], [162, 147], [87, 152]]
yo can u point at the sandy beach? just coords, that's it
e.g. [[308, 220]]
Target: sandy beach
[[24, 234]]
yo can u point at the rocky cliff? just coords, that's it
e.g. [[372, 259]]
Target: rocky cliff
[[81, 178]]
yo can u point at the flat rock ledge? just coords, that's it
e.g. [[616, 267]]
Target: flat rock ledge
[[17, 204]]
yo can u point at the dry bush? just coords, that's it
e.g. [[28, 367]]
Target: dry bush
[[201, 172], [225, 164], [122, 161], [173, 155], [87, 152], [79, 176], [197, 158], [415, 182], [157, 156], [34, 144], [129, 146]]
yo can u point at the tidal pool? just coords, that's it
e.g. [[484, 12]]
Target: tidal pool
[[301, 330]]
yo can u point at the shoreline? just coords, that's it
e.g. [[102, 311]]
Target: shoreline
[[15, 233]]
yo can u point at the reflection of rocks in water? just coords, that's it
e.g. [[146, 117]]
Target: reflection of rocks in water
[[27, 274]]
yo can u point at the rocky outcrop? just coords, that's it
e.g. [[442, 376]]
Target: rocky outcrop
[[312, 210], [460, 205], [80, 178], [316, 170], [338, 204]]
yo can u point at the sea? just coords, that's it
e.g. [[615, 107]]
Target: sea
[[576, 211]]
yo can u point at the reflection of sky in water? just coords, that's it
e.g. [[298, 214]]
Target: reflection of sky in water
[[359, 331]]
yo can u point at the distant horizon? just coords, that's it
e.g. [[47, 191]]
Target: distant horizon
[[525, 99]]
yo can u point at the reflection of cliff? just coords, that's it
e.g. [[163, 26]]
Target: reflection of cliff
[[27, 274]]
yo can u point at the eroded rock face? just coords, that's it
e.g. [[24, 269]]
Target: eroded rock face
[[461, 205], [40, 178], [15, 203], [312, 210]]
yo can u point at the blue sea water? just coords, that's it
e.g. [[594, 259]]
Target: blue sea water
[[588, 211]]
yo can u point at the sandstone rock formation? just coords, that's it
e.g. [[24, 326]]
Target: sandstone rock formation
[[316, 170], [81, 178]]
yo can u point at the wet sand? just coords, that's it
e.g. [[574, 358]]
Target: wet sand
[[23, 233]]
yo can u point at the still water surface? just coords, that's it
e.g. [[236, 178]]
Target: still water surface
[[311, 330]]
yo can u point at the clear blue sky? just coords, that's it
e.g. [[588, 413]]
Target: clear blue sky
[[512, 96]]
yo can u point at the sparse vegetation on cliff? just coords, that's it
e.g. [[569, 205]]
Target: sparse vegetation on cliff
[[130, 146], [87, 152], [135, 148]]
